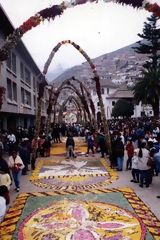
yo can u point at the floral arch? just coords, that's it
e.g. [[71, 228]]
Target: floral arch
[[57, 10]]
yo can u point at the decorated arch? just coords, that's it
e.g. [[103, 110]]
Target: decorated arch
[[77, 105], [85, 92], [81, 98], [92, 107], [66, 85], [57, 10], [96, 78]]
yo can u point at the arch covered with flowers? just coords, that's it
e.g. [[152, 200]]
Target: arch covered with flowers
[[67, 84], [79, 107], [96, 78], [57, 10]]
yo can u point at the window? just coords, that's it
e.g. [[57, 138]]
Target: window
[[25, 97], [113, 103], [21, 71], [107, 90], [102, 90], [27, 76], [22, 95], [14, 91], [98, 104], [11, 62], [11, 90], [28, 98]]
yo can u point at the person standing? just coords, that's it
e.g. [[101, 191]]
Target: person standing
[[130, 153], [70, 145], [101, 143], [46, 146], [90, 144], [144, 169], [119, 151], [4, 200], [16, 165], [135, 170]]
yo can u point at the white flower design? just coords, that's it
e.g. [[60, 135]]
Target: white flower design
[[71, 168]]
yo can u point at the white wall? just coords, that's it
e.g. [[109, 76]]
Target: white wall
[[108, 105]]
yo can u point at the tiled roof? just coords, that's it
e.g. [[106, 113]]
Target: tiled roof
[[107, 83], [121, 93]]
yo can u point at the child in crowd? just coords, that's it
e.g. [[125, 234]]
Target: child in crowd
[[135, 170]]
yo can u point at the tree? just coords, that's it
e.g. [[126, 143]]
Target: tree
[[123, 108], [147, 88]]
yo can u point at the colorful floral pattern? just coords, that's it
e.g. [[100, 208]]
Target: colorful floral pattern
[[113, 213], [71, 174], [77, 220]]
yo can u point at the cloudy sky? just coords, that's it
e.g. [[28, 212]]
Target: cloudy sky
[[97, 28]]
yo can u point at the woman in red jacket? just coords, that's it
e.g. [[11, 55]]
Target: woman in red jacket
[[130, 153]]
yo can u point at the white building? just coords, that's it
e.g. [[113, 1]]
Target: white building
[[111, 93]]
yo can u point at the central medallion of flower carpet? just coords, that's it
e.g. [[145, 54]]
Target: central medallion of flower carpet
[[117, 214], [72, 174]]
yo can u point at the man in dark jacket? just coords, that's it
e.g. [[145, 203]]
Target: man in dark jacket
[[119, 152], [70, 144], [101, 143]]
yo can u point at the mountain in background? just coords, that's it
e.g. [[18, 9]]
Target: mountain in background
[[122, 65], [57, 71]]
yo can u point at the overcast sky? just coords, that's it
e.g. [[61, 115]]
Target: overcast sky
[[97, 28]]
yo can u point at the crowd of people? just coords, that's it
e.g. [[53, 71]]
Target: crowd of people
[[139, 139]]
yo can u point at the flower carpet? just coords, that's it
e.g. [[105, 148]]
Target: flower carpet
[[110, 214], [77, 174]]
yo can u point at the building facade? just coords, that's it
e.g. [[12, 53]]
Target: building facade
[[111, 94], [19, 76]]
